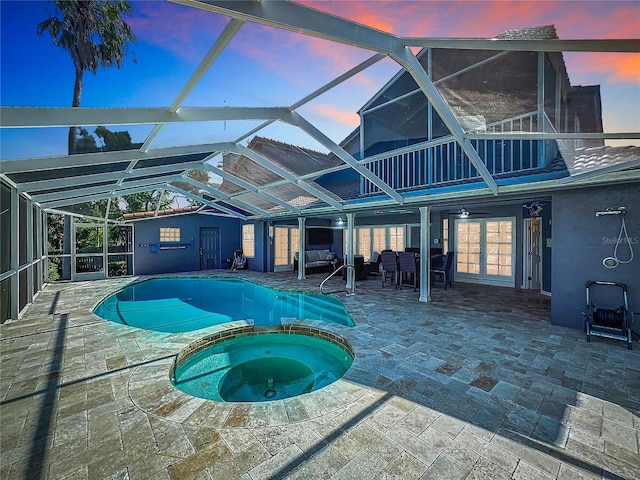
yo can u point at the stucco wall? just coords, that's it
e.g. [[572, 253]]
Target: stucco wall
[[580, 241], [188, 259]]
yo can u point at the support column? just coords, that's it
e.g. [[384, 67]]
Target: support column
[[14, 255], [541, 120], [349, 260], [301, 249], [425, 254], [39, 254], [29, 241], [105, 250]]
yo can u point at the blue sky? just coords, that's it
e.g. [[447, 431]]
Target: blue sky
[[268, 67]]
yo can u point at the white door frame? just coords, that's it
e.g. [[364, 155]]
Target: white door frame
[[289, 265], [482, 277], [526, 255]]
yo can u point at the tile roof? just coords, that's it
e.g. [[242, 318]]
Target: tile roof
[[161, 213], [298, 160], [591, 159], [532, 33]]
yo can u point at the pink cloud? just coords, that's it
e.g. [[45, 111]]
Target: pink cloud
[[486, 19], [590, 68], [331, 112], [188, 32]]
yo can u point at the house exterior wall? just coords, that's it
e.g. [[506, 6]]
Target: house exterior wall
[[263, 259], [546, 240], [188, 259], [581, 241]]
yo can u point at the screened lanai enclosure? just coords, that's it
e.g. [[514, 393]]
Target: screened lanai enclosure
[[286, 114]]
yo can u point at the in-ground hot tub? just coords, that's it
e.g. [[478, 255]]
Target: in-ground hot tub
[[249, 365]]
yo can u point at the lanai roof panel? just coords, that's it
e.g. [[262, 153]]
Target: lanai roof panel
[[257, 59], [246, 169], [293, 195], [261, 202], [64, 173]]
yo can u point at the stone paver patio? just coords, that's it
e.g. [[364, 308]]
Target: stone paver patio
[[476, 384]]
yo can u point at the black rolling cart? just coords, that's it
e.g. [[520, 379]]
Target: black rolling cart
[[609, 322]]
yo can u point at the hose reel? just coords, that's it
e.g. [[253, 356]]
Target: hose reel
[[608, 317]]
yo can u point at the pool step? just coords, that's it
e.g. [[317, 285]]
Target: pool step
[[318, 308]]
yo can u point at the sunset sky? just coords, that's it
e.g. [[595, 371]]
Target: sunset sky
[[267, 67]]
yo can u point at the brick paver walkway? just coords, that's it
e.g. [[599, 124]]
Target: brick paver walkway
[[476, 384]]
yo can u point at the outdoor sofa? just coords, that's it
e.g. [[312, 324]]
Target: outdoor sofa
[[316, 261]]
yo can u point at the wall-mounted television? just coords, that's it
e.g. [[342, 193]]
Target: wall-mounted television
[[319, 236]]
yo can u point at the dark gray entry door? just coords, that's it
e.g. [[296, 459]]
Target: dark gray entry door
[[209, 248]]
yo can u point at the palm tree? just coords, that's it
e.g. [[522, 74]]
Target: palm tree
[[94, 34]]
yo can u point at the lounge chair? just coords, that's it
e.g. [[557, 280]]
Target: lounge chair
[[373, 265], [239, 261]]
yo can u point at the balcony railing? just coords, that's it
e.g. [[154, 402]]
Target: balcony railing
[[443, 161]]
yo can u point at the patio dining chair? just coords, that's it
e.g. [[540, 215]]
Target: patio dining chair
[[442, 276], [389, 262], [408, 269]]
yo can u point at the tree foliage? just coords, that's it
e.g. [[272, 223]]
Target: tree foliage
[[85, 143], [198, 175], [111, 141], [146, 201], [93, 33]]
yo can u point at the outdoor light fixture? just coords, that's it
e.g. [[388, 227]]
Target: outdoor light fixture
[[340, 221], [464, 213]]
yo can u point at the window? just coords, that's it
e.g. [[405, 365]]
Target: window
[[396, 238], [379, 239], [295, 243], [169, 234], [248, 240], [364, 244], [445, 235], [376, 239], [344, 241]]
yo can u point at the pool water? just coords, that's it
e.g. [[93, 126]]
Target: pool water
[[262, 367], [186, 304]]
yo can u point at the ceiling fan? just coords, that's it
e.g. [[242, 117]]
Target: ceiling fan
[[534, 208], [465, 213]]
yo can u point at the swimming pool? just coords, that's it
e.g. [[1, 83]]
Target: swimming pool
[[184, 304], [261, 366]]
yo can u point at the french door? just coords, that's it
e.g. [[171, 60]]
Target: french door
[[485, 251], [286, 245]]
